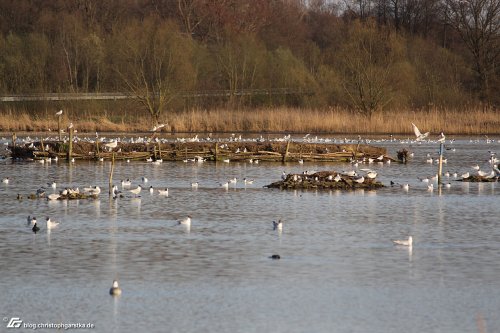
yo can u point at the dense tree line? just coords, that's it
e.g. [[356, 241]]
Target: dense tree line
[[361, 54]]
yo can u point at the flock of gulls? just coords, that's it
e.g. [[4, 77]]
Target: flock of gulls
[[420, 137]]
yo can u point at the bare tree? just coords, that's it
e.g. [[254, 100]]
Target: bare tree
[[153, 62], [478, 24]]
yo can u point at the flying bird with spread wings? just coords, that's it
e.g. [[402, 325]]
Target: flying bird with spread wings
[[419, 135]]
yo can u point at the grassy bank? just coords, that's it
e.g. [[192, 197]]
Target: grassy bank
[[339, 121]]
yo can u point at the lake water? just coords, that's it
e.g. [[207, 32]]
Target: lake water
[[339, 271]]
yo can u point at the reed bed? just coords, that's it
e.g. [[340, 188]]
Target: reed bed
[[468, 121]]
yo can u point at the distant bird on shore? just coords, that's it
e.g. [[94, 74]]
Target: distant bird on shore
[[5, 180], [59, 113], [157, 127], [419, 135], [115, 289], [112, 144]]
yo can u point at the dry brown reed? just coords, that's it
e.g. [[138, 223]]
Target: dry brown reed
[[340, 121]]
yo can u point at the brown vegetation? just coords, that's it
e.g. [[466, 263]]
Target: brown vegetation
[[369, 57], [284, 120]]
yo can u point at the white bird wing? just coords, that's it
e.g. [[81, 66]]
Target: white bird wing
[[416, 130]]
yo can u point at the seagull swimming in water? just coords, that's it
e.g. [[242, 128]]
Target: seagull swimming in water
[[51, 224], [115, 289], [137, 190], [278, 225], [185, 221], [5, 180], [408, 242], [419, 135], [31, 220], [163, 192]]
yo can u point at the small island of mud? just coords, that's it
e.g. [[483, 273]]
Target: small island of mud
[[326, 180]]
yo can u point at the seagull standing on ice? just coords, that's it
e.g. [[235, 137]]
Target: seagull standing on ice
[[419, 135], [408, 242]]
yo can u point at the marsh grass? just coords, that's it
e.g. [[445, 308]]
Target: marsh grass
[[341, 121]]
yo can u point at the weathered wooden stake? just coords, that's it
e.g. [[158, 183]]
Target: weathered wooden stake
[[440, 164], [14, 138], [41, 144], [216, 151], [286, 151], [159, 149], [59, 127], [111, 173], [70, 147], [97, 147]]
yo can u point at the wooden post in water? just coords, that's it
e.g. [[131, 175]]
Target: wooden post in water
[[41, 145], [216, 151], [14, 138], [159, 149], [286, 151], [59, 125], [97, 147], [440, 164], [111, 173], [70, 147]]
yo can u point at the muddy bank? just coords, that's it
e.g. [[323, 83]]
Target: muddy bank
[[325, 180]]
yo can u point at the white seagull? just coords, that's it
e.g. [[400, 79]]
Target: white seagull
[[53, 196], [419, 135], [5, 180], [137, 190], [442, 138], [278, 225], [59, 113], [31, 221], [112, 144], [185, 221], [163, 192], [51, 224], [408, 242]]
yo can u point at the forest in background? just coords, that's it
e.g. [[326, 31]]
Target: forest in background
[[367, 57]]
